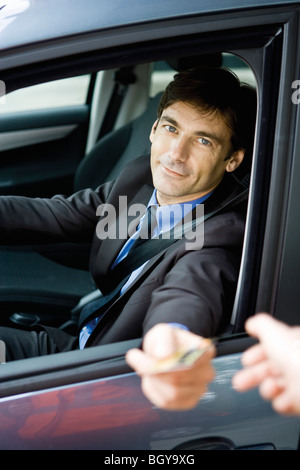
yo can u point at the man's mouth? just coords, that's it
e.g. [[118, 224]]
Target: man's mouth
[[170, 172]]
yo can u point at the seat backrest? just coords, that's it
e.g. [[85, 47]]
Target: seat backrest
[[105, 161]]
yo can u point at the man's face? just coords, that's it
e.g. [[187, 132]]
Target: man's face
[[188, 153]]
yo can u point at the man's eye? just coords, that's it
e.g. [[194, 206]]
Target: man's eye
[[170, 128], [204, 141]]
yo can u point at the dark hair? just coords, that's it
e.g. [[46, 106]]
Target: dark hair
[[216, 90]]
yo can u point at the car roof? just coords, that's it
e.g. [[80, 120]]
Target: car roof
[[27, 21]]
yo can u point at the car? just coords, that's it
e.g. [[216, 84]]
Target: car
[[80, 81]]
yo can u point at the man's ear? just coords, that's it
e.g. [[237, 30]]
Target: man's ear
[[235, 160], [153, 129]]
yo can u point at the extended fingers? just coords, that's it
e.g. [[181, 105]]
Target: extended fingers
[[139, 361], [253, 355], [168, 396], [176, 389], [270, 388], [251, 376], [180, 389]]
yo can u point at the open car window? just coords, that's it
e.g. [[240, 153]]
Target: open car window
[[152, 77]]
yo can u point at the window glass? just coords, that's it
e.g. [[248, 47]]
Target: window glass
[[59, 93]]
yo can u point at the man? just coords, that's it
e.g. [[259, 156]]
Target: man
[[205, 125]]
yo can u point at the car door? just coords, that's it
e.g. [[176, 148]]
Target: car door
[[91, 399], [43, 136]]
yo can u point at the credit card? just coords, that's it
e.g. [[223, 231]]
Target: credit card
[[181, 359]]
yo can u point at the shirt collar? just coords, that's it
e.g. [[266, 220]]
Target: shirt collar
[[169, 215]]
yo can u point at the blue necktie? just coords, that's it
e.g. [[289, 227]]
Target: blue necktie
[[147, 226]]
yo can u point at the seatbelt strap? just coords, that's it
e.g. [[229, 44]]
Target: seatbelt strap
[[123, 78]]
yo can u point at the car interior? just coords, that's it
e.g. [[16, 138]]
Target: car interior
[[47, 283], [112, 150]]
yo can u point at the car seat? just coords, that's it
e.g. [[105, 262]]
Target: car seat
[[105, 161]]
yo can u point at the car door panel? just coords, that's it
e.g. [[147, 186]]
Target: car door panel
[[41, 150], [112, 413], [33, 284]]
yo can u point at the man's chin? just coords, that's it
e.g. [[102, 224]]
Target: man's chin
[[170, 195]]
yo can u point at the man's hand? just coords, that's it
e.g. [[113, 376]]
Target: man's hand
[[274, 364], [176, 389]]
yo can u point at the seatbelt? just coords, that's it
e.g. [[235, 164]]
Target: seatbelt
[[123, 78], [147, 250]]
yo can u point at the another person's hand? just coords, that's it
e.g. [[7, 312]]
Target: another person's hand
[[177, 389], [274, 364]]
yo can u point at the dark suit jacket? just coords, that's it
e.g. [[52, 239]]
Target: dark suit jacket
[[192, 287]]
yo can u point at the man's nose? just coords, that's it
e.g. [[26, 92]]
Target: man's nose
[[179, 150]]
